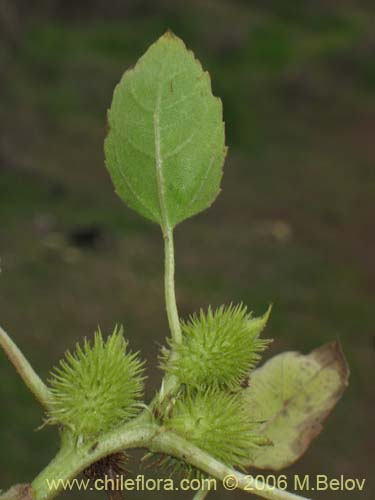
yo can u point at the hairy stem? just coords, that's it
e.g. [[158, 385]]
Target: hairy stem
[[201, 495], [73, 459], [24, 369], [171, 444], [170, 382], [170, 296]]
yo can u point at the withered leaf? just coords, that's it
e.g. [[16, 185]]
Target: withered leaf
[[291, 395]]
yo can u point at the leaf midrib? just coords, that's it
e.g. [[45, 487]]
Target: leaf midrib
[[158, 158]]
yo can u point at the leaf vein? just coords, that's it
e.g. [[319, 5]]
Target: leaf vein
[[136, 99], [158, 157], [187, 141], [205, 177], [137, 148], [183, 98], [287, 402], [133, 191]]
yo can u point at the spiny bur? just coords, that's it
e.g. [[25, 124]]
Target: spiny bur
[[97, 387], [218, 348], [218, 423]]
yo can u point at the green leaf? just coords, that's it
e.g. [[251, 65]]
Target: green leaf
[[166, 145], [292, 394]]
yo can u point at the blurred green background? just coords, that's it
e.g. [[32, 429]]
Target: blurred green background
[[294, 224]]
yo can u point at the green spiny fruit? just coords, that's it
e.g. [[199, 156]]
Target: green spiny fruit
[[97, 387], [218, 423], [218, 349]]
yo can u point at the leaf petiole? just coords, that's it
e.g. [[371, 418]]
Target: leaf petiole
[[170, 295]]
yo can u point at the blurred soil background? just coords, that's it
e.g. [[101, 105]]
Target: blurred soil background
[[294, 224]]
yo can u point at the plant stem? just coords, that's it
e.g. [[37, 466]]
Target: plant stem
[[201, 495], [170, 382], [24, 369], [72, 459], [170, 296], [171, 444]]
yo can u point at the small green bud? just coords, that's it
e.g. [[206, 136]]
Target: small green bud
[[97, 387], [218, 349], [218, 423]]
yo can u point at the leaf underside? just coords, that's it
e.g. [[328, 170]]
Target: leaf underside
[[166, 146], [293, 394]]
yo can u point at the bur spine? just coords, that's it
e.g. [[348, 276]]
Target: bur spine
[[97, 387], [218, 348], [218, 423]]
